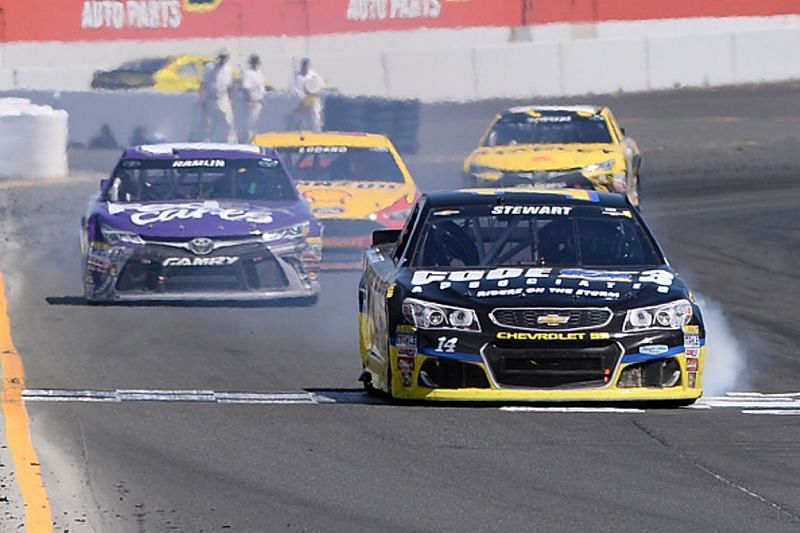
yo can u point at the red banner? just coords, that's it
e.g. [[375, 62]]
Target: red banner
[[97, 20], [102, 20], [547, 11]]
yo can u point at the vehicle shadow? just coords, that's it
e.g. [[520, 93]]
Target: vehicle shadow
[[355, 396], [80, 301]]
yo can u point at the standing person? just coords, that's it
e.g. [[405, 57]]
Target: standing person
[[307, 86], [254, 91], [215, 96]]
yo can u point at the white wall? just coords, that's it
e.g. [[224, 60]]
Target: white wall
[[467, 64]]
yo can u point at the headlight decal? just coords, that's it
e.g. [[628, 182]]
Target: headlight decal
[[672, 315], [115, 236], [296, 231], [603, 166], [429, 315]]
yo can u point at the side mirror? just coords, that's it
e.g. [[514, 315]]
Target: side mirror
[[622, 131], [103, 184], [385, 236]]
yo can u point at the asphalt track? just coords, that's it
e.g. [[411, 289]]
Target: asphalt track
[[721, 191]]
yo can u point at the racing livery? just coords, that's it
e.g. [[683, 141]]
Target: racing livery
[[199, 222], [179, 74], [556, 147], [527, 295], [356, 183]]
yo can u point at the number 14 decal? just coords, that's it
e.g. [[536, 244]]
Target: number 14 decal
[[447, 345]]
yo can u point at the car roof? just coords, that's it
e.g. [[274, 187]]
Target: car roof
[[471, 197], [556, 108], [326, 138], [197, 150]]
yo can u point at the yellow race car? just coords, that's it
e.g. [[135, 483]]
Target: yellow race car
[[556, 147], [173, 74], [356, 183]]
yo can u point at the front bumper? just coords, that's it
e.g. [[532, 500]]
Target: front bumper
[[607, 370], [166, 272]]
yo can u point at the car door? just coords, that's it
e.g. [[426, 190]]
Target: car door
[[375, 289]]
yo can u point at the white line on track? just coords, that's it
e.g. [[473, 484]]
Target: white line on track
[[750, 403], [524, 409]]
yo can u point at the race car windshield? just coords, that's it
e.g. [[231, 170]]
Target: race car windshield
[[341, 163], [522, 128], [137, 180], [536, 235]]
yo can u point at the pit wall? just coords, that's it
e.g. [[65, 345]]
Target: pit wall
[[435, 50]]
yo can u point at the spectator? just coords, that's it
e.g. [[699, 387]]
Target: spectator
[[307, 86], [254, 90], [215, 97]]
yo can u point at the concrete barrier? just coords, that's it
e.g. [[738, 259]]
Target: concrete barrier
[[464, 64]]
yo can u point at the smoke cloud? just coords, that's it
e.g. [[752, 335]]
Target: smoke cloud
[[725, 358]]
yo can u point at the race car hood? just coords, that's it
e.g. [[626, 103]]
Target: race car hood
[[353, 199], [543, 287], [532, 157], [202, 218]]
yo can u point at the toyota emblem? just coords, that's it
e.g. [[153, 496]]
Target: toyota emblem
[[201, 246]]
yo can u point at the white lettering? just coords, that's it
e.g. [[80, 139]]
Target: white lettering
[[138, 14], [190, 163], [199, 261], [152, 214], [423, 277], [559, 210], [363, 10], [504, 273]]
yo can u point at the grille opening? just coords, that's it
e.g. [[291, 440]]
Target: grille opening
[[256, 269], [551, 319], [663, 373], [563, 365], [446, 374]]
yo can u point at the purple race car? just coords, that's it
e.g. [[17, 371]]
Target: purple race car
[[200, 222]]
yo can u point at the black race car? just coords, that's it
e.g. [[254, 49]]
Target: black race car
[[527, 295]]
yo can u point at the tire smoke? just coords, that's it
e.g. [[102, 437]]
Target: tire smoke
[[725, 358]]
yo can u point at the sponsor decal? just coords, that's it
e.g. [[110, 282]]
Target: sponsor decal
[[692, 364], [551, 118], [659, 277], [199, 163], [364, 10], [322, 150], [692, 352], [406, 367], [528, 336], [653, 349], [370, 185], [691, 341], [199, 261], [692, 382], [327, 196], [531, 210], [145, 214], [691, 329], [406, 340], [123, 14]]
